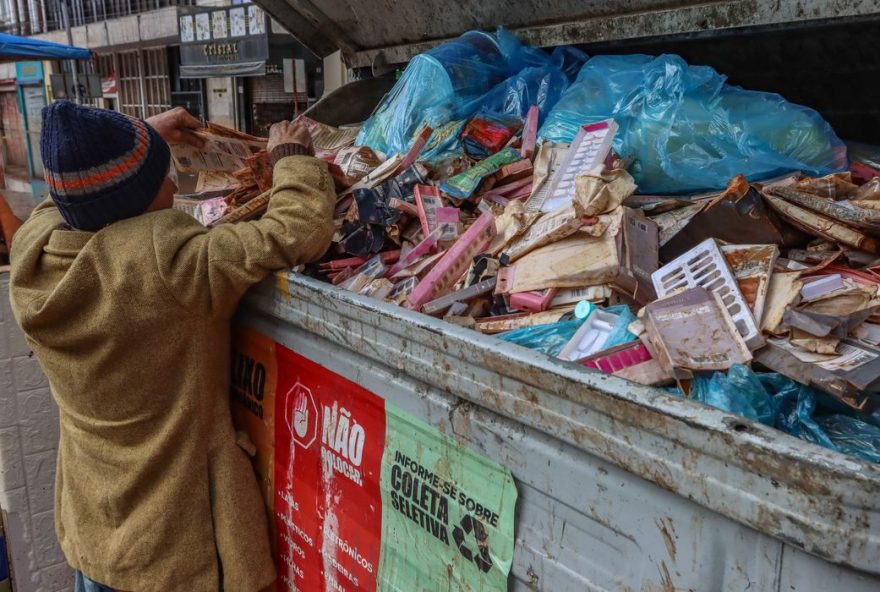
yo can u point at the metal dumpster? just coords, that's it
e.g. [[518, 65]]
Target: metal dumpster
[[620, 487]]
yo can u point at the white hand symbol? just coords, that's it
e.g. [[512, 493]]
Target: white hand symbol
[[301, 416]]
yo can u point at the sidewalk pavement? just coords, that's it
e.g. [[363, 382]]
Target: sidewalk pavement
[[21, 203]]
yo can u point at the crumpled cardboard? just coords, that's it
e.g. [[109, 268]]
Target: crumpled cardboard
[[547, 229], [355, 163], [811, 343], [833, 186], [784, 291], [576, 261], [602, 194], [510, 225], [836, 314]]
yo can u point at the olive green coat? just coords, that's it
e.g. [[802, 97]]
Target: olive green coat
[[132, 327]]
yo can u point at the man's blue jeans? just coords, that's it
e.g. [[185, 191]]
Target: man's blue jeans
[[84, 584]]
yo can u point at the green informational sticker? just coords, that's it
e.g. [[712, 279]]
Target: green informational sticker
[[447, 520]]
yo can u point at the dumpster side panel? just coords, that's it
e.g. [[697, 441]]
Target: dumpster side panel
[[801, 573], [582, 524], [589, 516]]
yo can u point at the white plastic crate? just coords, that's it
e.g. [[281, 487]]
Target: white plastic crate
[[704, 266]]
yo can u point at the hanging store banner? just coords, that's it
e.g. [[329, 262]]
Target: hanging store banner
[[364, 496], [223, 41]]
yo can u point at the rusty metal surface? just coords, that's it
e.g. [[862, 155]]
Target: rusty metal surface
[[400, 30], [719, 465]]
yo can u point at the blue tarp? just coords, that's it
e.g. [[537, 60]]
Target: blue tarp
[[13, 47]]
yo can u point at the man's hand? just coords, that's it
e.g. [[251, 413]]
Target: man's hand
[[287, 132], [176, 127]]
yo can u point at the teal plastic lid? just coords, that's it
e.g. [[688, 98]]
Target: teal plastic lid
[[583, 309]]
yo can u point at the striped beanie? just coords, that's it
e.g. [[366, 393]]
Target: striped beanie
[[101, 166]]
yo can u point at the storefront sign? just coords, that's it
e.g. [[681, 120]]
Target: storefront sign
[[28, 72], [108, 84], [223, 37], [364, 496]]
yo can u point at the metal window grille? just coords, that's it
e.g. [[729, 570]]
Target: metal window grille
[[104, 64], [269, 89], [144, 85], [94, 11], [129, 81], [156, 81]]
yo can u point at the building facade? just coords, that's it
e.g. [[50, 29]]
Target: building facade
[[141, 63]]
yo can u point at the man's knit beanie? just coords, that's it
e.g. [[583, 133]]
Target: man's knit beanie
[[101, 166]]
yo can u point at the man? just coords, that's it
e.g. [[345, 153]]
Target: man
[[126, 304]]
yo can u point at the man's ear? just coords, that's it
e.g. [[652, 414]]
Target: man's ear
[[165, 198]]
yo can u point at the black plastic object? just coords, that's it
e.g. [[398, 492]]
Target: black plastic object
[[362, 240]]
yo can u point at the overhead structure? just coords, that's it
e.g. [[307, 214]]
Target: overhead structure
[[14, 48]]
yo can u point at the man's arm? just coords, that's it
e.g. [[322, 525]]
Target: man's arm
[[209, 271], [176, 127]]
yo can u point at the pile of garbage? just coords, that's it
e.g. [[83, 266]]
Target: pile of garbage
[[631, 214], [233, 175]]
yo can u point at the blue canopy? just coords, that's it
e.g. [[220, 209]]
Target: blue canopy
[[13, 47]]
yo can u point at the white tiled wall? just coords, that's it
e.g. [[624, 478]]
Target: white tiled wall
[[28, 445]]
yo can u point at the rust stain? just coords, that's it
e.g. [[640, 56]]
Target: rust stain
[[665, 579], [530, 396], [598, 517], [749, 288], [533, 578], [667, 530], [747, 260], [521, 408], [662, 476]]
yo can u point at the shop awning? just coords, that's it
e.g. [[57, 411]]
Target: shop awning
[[15, 48], [257, 68]]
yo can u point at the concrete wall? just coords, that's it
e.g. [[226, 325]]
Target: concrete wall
[[335, 72], [148, 29], [28, 447]]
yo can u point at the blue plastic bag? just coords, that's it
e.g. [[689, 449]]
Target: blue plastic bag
[[518, 54], [441, 85], [740, 391], [430, 86], [531, 86], [541, 81], [801, 411], [852, 436], [548, 339], [809, 415], [688, 130], [569, 60], [455, 80], [551, 338]]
